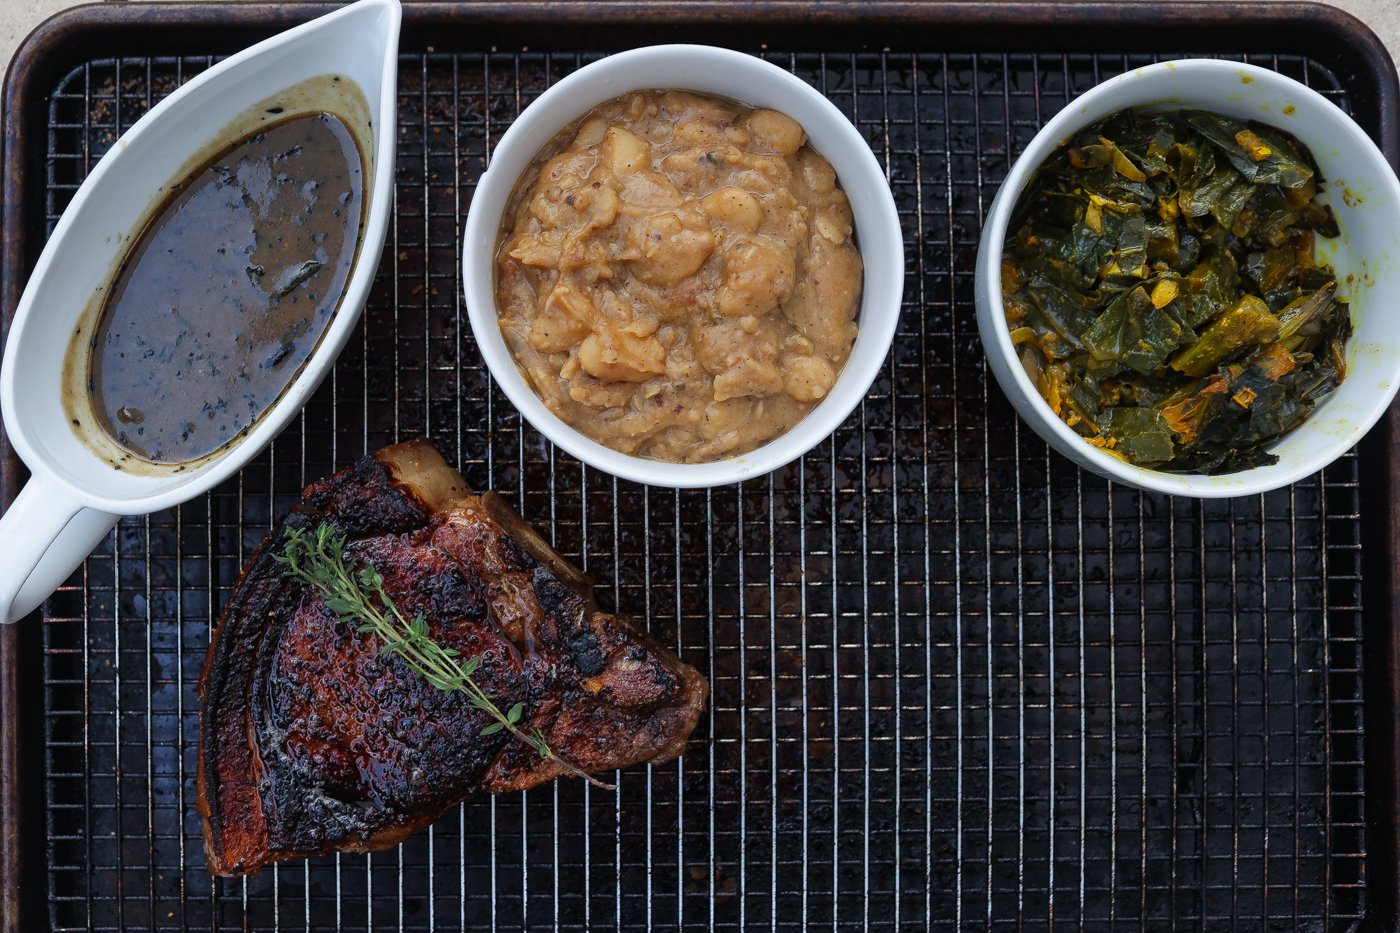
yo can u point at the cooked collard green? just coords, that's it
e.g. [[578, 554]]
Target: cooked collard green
[[1163, 292]]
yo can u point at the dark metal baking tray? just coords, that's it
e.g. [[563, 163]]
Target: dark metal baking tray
[[956, 681]]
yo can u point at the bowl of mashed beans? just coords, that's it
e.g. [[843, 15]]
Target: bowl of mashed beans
[[683, 266]]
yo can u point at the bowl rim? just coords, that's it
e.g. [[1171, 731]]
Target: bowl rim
[[608, 78], [1081, 112]]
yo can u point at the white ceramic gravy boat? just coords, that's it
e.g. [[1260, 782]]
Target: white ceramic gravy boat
[[75, 494]]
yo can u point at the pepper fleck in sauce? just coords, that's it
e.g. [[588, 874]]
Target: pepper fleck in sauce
[[228, 290]]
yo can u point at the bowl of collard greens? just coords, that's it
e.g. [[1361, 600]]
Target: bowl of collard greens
[[1188, 281]]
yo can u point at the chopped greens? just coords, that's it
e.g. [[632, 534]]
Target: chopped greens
[[1162, 291]]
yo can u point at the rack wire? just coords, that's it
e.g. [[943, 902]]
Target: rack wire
[[955, 680]]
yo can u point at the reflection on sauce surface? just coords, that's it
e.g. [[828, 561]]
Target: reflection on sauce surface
[[227, 291]]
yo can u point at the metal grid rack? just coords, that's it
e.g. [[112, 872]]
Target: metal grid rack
[[955, 680]]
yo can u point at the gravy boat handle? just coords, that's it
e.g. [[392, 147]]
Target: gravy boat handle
[[44, 535]]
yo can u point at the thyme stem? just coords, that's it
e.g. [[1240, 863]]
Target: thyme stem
[[355, 593]]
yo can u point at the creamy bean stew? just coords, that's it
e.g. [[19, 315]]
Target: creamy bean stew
[[676, 276]]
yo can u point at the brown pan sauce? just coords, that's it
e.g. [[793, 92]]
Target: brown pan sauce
[[227, 291]]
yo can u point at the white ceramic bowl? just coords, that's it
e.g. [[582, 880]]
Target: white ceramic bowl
[[1364, 194], [756, 83]]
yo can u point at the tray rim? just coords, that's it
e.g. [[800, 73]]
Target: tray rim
[[82, 33]]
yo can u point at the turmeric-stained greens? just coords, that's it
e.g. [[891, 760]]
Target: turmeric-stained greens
[[1162, 291]]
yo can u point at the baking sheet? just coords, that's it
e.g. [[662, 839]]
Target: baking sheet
[[956, 680]]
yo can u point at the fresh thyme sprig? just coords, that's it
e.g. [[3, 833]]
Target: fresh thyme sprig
[[355, 592]]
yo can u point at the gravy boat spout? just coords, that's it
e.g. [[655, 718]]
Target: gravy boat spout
[[344, 64]]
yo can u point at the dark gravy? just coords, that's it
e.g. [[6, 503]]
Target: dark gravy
[[228, 290]]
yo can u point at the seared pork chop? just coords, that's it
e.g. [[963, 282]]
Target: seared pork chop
[[314, 741]]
